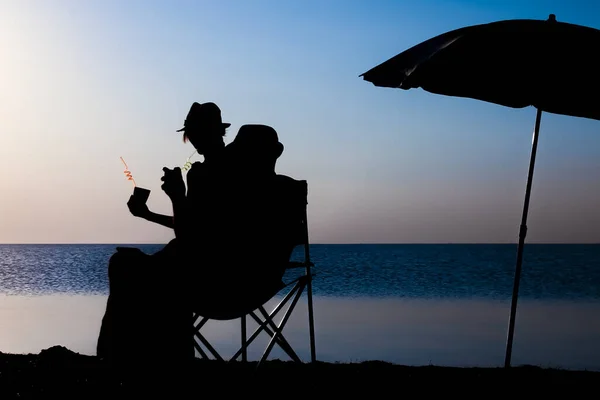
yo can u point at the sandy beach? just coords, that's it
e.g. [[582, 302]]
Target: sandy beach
[[60, 372]]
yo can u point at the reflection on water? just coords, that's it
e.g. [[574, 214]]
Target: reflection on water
[[411, 332]]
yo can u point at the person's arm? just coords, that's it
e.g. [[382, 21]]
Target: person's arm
[[175, 188], [180, 217], [161, 219], [141, 210]]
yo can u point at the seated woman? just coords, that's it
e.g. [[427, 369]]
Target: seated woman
[[147, 287]]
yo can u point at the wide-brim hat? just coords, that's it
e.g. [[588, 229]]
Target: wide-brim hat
[[203, 115], [257, 139]]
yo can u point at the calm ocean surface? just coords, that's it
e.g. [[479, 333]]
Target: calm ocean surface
[[408, 304], [415, 271]]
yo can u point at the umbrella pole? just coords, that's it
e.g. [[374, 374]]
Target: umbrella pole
[[522, 234]]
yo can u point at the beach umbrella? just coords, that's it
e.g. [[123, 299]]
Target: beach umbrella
[[549, 65]]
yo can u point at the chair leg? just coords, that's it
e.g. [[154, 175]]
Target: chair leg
[[311, 319], [200, 324], [196, 328], [280, 327], [268, 326], [200, 350], [243, 335], [281, 341], [202, 339], [262, 325], [208, 346]]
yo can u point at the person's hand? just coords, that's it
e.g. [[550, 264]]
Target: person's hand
[[195, 172], [137, 208], [173, 184]]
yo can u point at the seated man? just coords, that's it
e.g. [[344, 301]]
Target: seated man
[[256, 149], [254, 223]]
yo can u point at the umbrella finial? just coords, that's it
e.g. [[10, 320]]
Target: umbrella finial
[[552, 18]]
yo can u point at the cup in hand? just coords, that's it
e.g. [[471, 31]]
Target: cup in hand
[[140, 194]]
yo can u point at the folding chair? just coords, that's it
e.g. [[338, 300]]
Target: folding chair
[[297, 199]]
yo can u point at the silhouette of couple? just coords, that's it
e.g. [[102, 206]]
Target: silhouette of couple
[[232, 244]]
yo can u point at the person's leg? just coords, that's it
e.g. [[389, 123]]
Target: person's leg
[[169, 325], [174, 311], [123, 309]]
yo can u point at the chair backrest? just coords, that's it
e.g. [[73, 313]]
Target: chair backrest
[[272, 222], [277, 218], [294, 201]]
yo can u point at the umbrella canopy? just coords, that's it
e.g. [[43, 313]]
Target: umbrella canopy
[[553, 66], [549, 65]]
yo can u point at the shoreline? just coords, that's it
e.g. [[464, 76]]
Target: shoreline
[[62, 372]]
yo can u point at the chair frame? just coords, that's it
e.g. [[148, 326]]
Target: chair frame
[[265, 321]]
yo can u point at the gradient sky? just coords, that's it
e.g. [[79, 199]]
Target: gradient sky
[[84, 82]]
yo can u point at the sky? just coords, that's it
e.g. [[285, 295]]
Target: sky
[[84, 82]]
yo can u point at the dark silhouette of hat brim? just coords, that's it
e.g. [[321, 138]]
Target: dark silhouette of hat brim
[[224, 124]]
